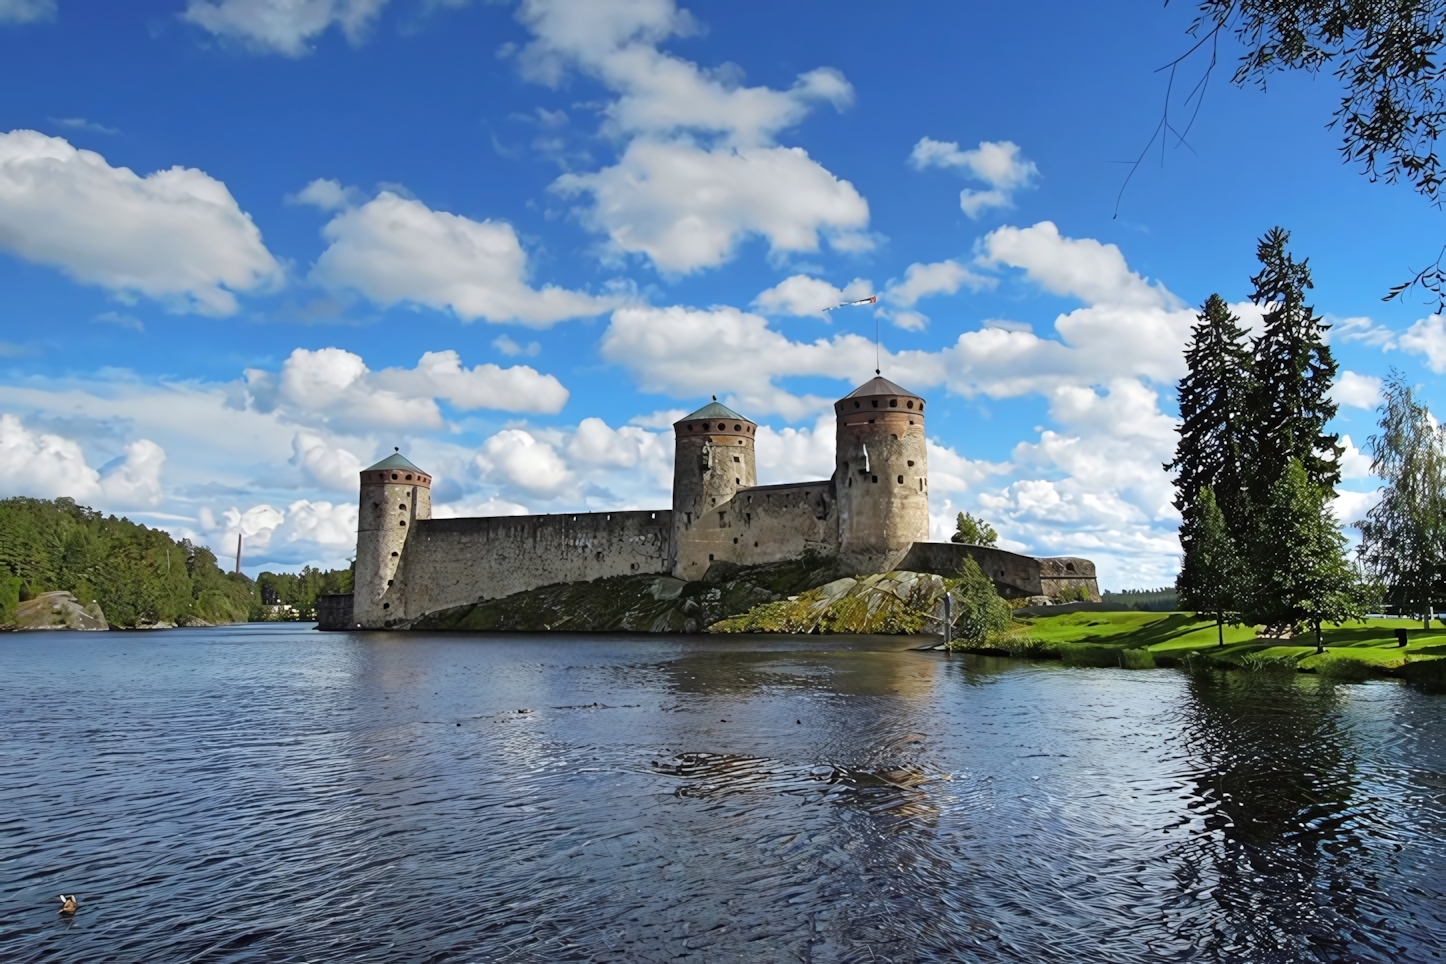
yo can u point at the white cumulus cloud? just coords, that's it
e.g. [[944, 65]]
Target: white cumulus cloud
[[701, 170], [177, 236], [47, 466], [282, 26], [323, 464], [334, 387], [1357, 390], [393, 249], [802, 295], [1083, 268], [998, 164], [1427, 337]]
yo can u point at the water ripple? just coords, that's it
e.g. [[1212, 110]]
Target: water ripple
[[260, 794]]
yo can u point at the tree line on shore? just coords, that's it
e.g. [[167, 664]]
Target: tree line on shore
[[138, 575], [1256, 470]]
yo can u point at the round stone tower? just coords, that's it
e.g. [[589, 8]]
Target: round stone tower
[[881, 475], [394, 495], [712, 459]]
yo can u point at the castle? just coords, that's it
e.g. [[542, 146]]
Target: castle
[[873, 514]]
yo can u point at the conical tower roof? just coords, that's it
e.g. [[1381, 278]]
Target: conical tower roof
[[715, 409], [879, 385], [394, 461]]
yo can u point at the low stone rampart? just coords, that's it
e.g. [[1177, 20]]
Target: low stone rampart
[[453, 562], [1015, 576]]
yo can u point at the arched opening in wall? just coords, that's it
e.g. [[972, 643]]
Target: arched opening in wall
[[394, 555], [876, 478], [893, 403], [402, 507], [390, 581], [857, 404], [710, 557], [401, 522], [901, 480], [386, 605], [909, 404]]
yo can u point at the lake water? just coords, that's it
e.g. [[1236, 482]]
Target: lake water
[[268, 793]]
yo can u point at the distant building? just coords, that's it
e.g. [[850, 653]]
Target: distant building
[[873, 513]]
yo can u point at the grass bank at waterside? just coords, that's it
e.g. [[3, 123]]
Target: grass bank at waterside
[[1142, 639]]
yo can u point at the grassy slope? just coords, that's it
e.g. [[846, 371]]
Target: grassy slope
[[1175, 634]]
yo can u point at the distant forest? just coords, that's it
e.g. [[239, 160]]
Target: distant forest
[[139, 576]]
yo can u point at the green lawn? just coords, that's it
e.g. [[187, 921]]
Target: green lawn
[[1178, 634]]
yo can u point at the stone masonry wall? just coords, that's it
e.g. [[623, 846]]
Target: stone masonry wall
[[452, 562], [775, 523], [1015, 576]]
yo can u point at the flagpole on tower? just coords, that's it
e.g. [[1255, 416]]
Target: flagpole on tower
[[870, 300]]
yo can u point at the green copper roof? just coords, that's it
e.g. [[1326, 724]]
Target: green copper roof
[[715, 409], [394, 461]]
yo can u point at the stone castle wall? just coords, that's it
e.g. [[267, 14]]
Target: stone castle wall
[[772, 523], [453, 562]]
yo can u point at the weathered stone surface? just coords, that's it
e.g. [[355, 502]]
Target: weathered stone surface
[[58, 610], [642, 603], [887, 603]]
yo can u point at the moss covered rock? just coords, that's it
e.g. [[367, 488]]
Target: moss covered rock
[[887, 603], [643, 603]]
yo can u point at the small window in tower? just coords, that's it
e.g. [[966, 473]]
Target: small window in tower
[[737, 481], [722, 516], [851, 485], [722, 427], [747, 517], [688, 518], [409, 478], [857, 404], [394, 555], [394, 475], [402, 522], [735, 540], [911, 463], [386, 605], [738, 428], [894, 437], [390, 581], [737, 459], [402, 507], [710, 557], [921, 485], [875, 404], [893, 403], [755, 545], [909, 404], [901, 480], [875, 478], [921, 406]]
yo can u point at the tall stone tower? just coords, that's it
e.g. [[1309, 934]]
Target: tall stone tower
[[712, 459], [881, 475], [394, 495]]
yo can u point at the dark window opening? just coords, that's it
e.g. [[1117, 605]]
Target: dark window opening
[[909, 404], [737, 481], [755, 545], [394, 475], [1069, 566], [386, 605], [735, 540], [390, 581], [710, 557], [738, 428], [876, 403], [401, 522], [911, 463], [394, 555], [402, 507], [409, 478], [901, 480], [893, 403], [876, 478], [737, 459], [748, 517]]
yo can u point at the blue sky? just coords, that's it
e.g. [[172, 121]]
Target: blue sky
[[247, 246]]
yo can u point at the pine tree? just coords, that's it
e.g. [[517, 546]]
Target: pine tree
[[1289, 401], [1301, 574], [1213, 423], [1212, 578], [1403, 538]]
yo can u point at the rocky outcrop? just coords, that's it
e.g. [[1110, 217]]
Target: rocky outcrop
[[58, 610], [642, 603], [888, 603]]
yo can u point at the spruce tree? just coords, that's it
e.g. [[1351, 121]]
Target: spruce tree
[[1403, 538], [1289, 401], [1213, 424], [1301, 575], [1212, 578]]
